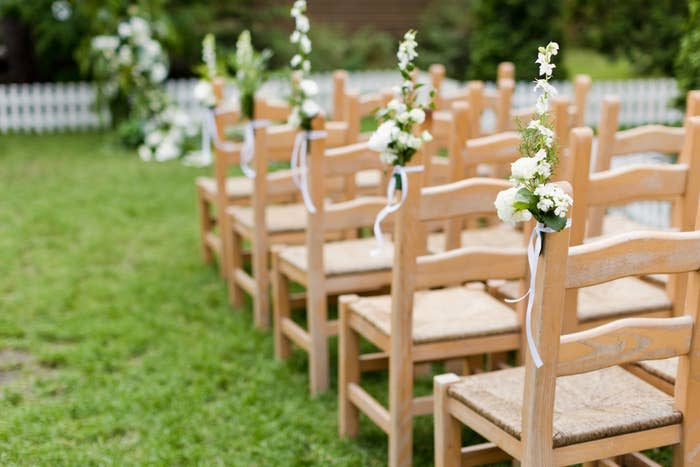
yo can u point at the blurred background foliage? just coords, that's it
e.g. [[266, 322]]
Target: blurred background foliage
[[469, 36]]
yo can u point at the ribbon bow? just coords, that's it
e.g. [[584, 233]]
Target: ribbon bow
[[298, 163], [210, 134], [401, 171], [248, 148], [534, 248]]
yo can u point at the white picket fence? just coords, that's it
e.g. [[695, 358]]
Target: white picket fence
[[68, 106]]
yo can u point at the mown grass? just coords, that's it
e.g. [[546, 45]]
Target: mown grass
[[118, 346], [598, 66]]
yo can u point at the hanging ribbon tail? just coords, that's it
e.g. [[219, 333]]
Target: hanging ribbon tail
[[213, 135], [298, 162], [206, 137], [534, 249], [401, 171], [248, 148]]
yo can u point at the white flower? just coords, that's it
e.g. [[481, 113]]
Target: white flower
[[427, 137], [167, 150], [145, 153], [387, 157], [295, 37], [302, 24], [305, 44], [61, 10], [159, 72], [524, 168], [105, 43], [504, 207], [308, 87], [547, 88], [552, 197], [407, 49], [403, 117], [396, 105], [414, 142], [382, 136], [306, 66], [124, 29], [310, 108], [125, 55], [295, 61], [204, 93], [417, 115], [140, 28], [154, 139]]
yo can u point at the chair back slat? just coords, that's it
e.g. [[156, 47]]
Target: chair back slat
[[468, 196], [632, 254], [636, 183], [648, 138], [495, 149], [624, 341], [347, 160], [354, 213], [470, 264]]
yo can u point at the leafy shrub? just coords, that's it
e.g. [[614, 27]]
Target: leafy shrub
[[445, 34], [646, 32], [688, 59]]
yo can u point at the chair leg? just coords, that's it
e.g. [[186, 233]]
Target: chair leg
[[349, 369], [206, 225], [261, 273], [448, 430], [400, 409], [235, 292], [317, 317], [280, 308]]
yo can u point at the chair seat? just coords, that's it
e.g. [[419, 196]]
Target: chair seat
[[444, 314], [278, 217], [344, 257], [499, 235], [626, 296], [236, 187], [368, 178], [665, 369], [587, 407]]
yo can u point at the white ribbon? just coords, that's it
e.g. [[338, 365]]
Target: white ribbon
[[298, 163], [534, 248], [401, 171], [210, 134], [248, 148]]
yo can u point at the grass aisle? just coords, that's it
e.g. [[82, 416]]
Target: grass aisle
[[117, 345]]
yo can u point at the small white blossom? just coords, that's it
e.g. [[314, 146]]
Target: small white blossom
[[145, 153], [505, 210], [305, 44], [159, 72], [204, 93], [296, 60], [427, 137], [417, 115], [310, 108], [309, 87]]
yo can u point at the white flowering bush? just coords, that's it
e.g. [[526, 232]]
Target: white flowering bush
[[168, 135], [532, 194], [304, 108], [394, 139], [129, 68]]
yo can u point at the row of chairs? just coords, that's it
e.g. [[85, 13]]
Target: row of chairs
[[434, 251]]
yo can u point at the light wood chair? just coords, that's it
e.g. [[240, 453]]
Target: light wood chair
[[430, 315], [266, 221], [579, 406], [643, 139], [215, 194], [630, 296], [330, 268]]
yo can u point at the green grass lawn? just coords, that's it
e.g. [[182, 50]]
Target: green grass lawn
[[117, 345], [598, 66]]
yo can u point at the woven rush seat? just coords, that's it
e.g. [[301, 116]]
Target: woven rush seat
[[587, 407], [444, 314], [345, 257], [279, 217], [665, 369], [236, 187], [499, 235], [628, 295]]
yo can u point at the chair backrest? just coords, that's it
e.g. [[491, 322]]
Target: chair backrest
[[623, 341], [678, 183], [647, 138]]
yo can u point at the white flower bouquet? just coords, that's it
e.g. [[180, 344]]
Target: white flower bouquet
[[251, 72], [395, 140], [304, 108], [204, 89], [532, 194]]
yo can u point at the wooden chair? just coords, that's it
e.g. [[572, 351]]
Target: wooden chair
[[430, 315], [266, 221], [614, 143], [215, 194], [679, 183], [331, 268], [579, 406]]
